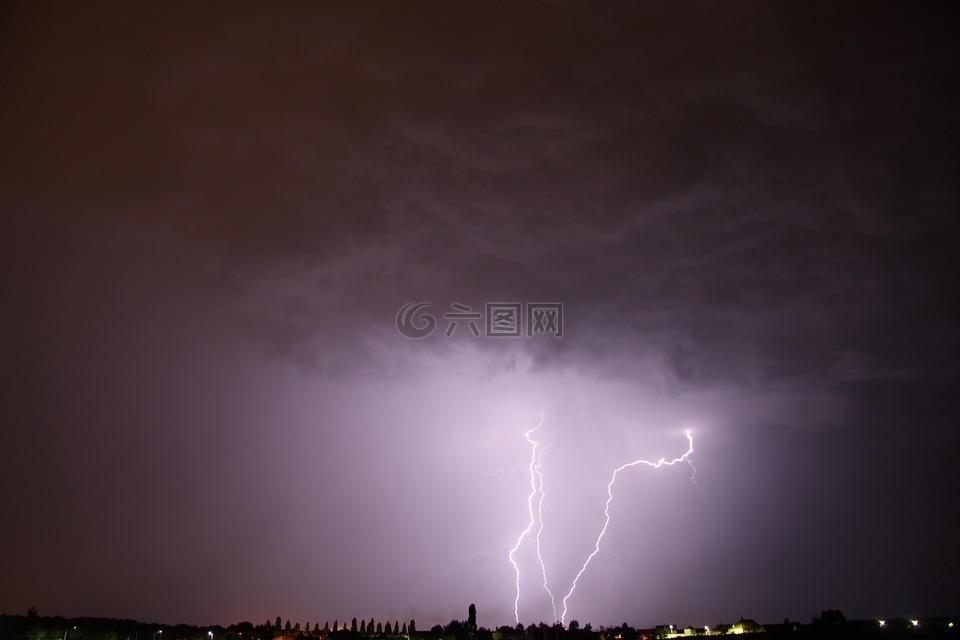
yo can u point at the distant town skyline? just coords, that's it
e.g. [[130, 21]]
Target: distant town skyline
[[829, 623]]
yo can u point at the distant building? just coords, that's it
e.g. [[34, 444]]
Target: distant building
[[745, 625], [512, 634], [742, 626], [433, 634]]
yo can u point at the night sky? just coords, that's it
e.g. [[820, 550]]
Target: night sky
[[212, 214]]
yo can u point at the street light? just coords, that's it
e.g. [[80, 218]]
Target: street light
[[66, 632]]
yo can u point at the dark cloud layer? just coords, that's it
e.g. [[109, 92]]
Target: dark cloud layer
[[212, 215]]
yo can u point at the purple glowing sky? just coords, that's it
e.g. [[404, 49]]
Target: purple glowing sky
[[211, 216]]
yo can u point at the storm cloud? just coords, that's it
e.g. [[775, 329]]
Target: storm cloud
[[213, 214]]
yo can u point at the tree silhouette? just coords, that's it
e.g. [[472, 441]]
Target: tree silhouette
[[404, 630], [353, 625], [472, 618], [286, 627], [831, 618], [458, 629]]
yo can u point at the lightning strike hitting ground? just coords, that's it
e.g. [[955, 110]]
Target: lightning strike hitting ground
[[534, 473], [535, 516], [606, 511], [543, 566]]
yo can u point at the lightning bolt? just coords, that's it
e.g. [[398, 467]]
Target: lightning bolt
[[543, 566], [535, 519], [693, 476], [534, 470], [503, 472], [606, 510], [480, 554]]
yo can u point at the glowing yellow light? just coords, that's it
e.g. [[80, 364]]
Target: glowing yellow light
[[915, 623], [883, 623]]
